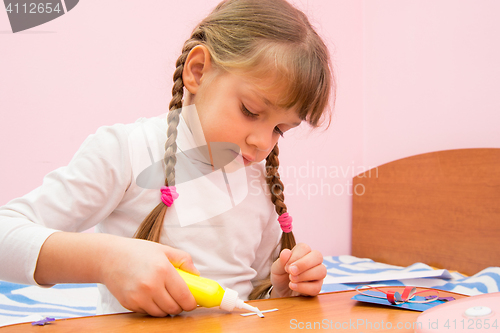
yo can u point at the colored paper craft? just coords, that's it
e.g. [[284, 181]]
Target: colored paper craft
[[404, 299]]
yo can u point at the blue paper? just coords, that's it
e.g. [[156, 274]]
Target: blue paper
[[406, 305]]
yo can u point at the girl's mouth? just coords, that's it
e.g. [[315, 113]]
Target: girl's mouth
[[247, 160]]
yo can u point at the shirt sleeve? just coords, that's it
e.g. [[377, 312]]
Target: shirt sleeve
[[73, 198]]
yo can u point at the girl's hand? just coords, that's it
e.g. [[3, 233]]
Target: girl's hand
[[141, 275], [298, 272]]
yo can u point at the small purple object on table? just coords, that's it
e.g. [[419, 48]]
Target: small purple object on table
[[44, 321]]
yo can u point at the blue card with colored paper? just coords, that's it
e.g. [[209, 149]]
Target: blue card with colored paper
[[406, 305]]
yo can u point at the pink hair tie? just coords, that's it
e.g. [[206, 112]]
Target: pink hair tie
[[285, 221], [168, 195]]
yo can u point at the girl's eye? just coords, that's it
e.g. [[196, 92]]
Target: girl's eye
[[246, 112]]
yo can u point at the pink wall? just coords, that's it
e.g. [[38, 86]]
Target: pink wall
[[413, 76], [322, 206], [431, 75]]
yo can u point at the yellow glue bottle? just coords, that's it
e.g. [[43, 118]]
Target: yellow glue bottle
[[209, 293]]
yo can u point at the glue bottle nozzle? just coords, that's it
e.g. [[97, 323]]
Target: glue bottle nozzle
[[253, 309]]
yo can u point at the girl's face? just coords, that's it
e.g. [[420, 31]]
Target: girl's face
[[240, 111]]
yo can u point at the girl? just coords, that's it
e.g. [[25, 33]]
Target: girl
[[250, 71]]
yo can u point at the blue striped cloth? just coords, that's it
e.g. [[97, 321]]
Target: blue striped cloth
[[22, 303], [486, 281]]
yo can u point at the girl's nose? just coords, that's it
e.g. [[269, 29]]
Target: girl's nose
[[262, 139]]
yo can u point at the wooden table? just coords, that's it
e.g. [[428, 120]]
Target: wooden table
[[330, 311]]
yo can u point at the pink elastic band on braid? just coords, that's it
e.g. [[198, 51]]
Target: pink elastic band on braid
[[168, 195], [285, 221]]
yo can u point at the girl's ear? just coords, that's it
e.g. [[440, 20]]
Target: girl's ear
[[196, 67]]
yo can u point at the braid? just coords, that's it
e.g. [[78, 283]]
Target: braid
[[150, 228], [277, 197]]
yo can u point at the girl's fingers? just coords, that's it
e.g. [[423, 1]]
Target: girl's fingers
[[152, 309], [177, 291], [160, 304], [302, 264], [285, 256], [166, 303], [298, 271], [313, 274], [299, 251], [147, 306], [180, 259], [307, 288], [278, 266]]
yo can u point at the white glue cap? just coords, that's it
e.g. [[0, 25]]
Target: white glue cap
[[230, 301]]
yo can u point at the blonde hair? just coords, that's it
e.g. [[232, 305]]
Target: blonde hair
[[255, 37]]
